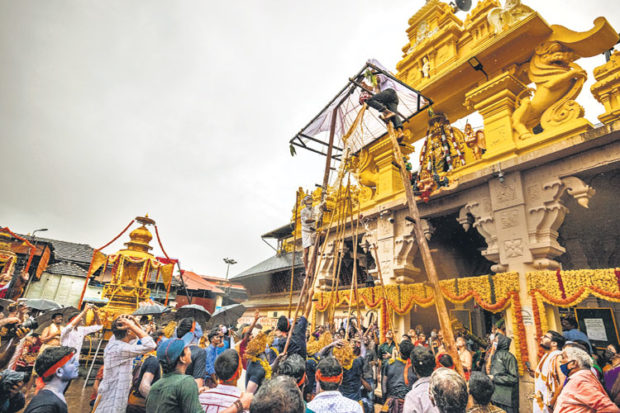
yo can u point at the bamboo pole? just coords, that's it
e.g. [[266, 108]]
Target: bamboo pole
[[429, 265], [290, 294], [310, 273]]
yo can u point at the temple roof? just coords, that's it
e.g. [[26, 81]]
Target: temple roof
[[67, 251], [66, 268], [271, 265]]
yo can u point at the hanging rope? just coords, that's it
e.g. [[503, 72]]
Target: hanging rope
[[90, 266], [117, 237]]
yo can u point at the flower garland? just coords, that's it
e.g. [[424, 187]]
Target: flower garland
[[568, 289], [479, 288], [401, 299]]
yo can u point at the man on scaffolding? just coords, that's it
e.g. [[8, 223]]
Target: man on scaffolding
[[385, 99]]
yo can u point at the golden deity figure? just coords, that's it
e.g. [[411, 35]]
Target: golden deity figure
[[475, 141], [130, 269]]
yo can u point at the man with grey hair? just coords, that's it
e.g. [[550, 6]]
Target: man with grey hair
[[582, 392], [448, 391], [279, 395]]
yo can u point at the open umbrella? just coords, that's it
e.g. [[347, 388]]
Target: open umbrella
[[40, 304], [197, 311], [45, 319], [228, 315], [151, 309]]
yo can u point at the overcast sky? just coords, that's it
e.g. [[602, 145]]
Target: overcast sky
[[184, 109]]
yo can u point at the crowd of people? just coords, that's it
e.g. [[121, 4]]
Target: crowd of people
[[289, 368]]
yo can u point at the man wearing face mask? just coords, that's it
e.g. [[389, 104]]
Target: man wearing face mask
[[582, 392], [56, 366], [548, 379]]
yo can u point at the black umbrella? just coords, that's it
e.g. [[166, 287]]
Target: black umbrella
[[45, 319], [228, 315], [151, 309], [197, 311], [40, 304]]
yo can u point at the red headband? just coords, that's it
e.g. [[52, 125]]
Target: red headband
[[236, 375], [57, 365], [332, 379], [301, 381]]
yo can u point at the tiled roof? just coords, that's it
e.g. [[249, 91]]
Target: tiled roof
[[66, 268], [271, 265], [68, 251], [194, 281]]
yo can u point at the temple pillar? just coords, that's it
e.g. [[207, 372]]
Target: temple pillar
[[496, 100], [607, 88], [402, 324], [388, 176]]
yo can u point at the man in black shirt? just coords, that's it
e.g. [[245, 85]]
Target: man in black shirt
[[258, 368], [352, 369], [297, 344], [56, 366], [398, 378], [150, 372], [198, 367]]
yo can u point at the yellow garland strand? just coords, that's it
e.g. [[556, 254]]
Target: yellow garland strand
[[264, 364]]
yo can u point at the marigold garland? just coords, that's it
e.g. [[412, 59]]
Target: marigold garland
[[401, 299], [568, 289]]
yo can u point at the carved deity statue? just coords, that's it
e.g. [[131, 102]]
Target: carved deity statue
[[475, 141], [503, 17], [426, 68]]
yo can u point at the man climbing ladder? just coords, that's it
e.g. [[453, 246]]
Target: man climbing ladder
[[385, 100]]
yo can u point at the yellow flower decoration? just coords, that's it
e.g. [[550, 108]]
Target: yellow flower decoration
[[344, 355], [256, 346]]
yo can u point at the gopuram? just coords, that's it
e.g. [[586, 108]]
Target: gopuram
[[519, 213]]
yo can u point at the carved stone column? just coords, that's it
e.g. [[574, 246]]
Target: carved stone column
[[546, 212], [405, 250], [496, 101]]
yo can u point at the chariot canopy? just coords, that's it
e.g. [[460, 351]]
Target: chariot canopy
[[345, 106]]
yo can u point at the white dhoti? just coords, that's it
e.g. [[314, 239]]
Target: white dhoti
[[308, 233], [307, 238]]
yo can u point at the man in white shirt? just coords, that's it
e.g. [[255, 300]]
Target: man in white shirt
[[228, 370], [118, 359], [73, 334], [548, 379], [418, 399], [329, 399]]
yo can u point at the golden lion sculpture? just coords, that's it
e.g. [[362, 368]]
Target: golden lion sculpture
[[557, 78], [558, 81]]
